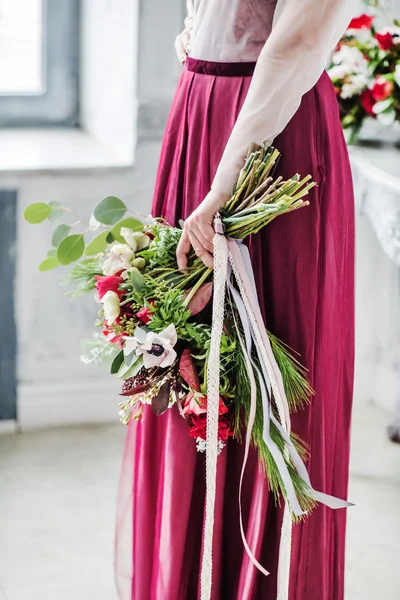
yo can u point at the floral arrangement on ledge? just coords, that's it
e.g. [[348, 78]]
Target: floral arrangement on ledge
[[155, 322], [365, 71]]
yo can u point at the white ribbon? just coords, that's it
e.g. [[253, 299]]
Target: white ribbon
[[270, 381]]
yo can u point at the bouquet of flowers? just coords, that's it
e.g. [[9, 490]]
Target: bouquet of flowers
[[155, 321], [365, 71]]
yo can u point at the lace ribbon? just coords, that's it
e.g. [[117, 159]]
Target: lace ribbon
[[232, 260]]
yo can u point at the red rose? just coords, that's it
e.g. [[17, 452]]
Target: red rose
[[144, 315], [368, 102], [385, 40], [361, 22], [196, 404], [199, 428], [382, 89], [108, 284]]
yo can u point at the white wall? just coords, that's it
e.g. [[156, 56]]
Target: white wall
[[54, 387]]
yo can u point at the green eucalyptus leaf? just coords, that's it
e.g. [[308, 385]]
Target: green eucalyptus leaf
[[59, 234], [56, 212], [71, 249], [110, 210], [98, 244], [37, 212], [137, 279], [126, 371], [48, 264], [117, 363], [129, 222], [52, 253]]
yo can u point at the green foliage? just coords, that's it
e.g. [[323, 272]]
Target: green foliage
[[59, 234], [110, 210], [129, 222], [97, 245], [71, 249], [82, 276], [48, 264], [137, 280], [37, 212], [242, 408], [117, 363], [57, 210], [162, 250], [297, 387]]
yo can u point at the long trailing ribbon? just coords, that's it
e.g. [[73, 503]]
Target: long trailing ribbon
[[232, 261]]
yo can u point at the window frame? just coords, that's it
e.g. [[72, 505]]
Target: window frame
[[58, 103]]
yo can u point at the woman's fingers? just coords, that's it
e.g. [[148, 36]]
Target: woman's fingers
[[182, 251], [180, 49], [205, 233], [200, 250]]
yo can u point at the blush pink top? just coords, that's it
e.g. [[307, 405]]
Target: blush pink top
[[291, 41]]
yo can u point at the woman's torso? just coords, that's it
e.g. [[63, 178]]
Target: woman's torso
[[231, 30]]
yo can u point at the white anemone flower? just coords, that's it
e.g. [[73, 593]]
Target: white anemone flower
[[157, 349]]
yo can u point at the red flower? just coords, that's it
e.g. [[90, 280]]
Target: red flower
[[196, 404], [368, 102], [385, 40], [144, 314], [108, 284], [116, 339], [361, 22], [199, 428], [382, 89]]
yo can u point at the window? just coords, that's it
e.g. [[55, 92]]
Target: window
[[39, 54]]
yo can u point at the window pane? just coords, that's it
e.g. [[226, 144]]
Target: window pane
[[21, 46]]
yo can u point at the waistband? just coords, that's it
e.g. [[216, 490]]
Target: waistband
[[222, 69]]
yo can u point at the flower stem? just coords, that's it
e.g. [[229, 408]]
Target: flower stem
[[194, 289]]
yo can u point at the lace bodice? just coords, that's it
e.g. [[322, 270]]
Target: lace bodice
[[230, 30], [291, 41]]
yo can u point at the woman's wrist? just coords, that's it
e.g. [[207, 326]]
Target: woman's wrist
[[216, 200]]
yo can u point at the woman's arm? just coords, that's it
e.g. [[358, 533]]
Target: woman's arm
[[289, 65], [182, 40]]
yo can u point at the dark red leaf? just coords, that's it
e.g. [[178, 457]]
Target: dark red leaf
[[201, 298], [160, 401], [188, 372]]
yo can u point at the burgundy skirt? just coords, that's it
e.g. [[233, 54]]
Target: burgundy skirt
[[304, 267]]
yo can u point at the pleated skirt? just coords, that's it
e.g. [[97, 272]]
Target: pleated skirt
[[304, 268]]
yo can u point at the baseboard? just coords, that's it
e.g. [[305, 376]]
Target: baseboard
[[8, 426], [52, 405]]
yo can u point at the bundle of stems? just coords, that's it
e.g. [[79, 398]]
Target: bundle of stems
[[257, 198]]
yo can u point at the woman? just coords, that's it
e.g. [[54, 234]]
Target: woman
[[254, 71]]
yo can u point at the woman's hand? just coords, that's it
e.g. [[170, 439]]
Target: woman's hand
[[182, 41], [198, 230]]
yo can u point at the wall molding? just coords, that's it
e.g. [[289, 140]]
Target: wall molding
[[80, 402]]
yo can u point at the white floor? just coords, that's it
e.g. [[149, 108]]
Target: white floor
[[57, 500]]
